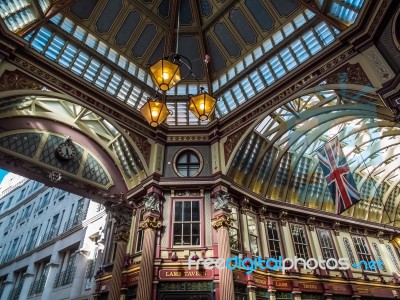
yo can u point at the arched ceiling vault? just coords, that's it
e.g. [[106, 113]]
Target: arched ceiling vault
[[57, 114], [277, 159]]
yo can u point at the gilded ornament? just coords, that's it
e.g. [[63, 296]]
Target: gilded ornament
[[150, 222], [222, 221]]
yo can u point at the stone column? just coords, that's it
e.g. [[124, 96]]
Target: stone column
[[28, 279], [122, 216], [251, 289], [51, 275], [79, 278], [150, 224], [8, 285], [221, 222], [244, 229]]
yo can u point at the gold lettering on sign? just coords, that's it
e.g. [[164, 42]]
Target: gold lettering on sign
[[260, 281], [310, 286], [185, 273], [282, 284]]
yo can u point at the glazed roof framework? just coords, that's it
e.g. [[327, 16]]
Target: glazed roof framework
[[252, 44]]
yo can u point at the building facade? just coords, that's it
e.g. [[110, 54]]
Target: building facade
[[50, 241]]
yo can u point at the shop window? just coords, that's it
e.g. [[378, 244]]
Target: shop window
[[362, 250], [283, 295], [300, 241], [311, 296], [234, 229], [253, 234], [240, 292], [326, 242], [186, 223], [274, 241]]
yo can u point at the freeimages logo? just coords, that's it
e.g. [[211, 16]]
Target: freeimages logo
[[251, 264]]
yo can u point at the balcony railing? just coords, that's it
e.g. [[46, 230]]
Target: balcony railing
[[15, 292], [37, 286], [31, 245], [9, 256], [75, 221], [65, 277], [50, 235]]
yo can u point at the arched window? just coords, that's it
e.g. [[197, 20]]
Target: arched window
[[349, 251], [378, 254], [393, 258]]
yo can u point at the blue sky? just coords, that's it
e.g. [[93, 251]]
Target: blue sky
[[2, 174]]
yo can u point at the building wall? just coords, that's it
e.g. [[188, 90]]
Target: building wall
[[48, 241], [264, 232]]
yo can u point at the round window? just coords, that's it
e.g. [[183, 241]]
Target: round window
[[188, 163]]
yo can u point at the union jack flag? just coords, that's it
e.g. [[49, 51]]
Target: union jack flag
[[337, 174]]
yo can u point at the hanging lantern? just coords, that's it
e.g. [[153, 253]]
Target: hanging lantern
[[202, 105], [165, 74], [396, 242], [154, 111]]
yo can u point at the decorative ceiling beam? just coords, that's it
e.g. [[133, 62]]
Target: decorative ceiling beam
[[174, 9], [54, 9], [311, 5]]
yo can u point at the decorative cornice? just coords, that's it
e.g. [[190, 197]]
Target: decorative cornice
[[188, 138], [222, 221], [150, 223]]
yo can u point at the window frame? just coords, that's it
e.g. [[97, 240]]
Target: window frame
[[278, 229], [368, 247], [309, 253], [335, 254], [238, 232], [257, 237], [201, 222], [138, 230], [196, 153]]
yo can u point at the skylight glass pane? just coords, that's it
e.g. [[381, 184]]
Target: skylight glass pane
[[122, 62], [258, 52], [248, 59], [239, 67], [300, 51], [215, 85], [92, 70], [288, 59], [299, 21], [223, 79], [112, 55], [79, 33], [229, 100], [238, 94], [103, 77], [231, 73], [80, 63], [55, 47], [44, 5], [193, 89], [309, 14], [311, 41], [257, 82], [182, 89], [56, 19], [267, 45], [132, 69], [277, 37], [288, 29], [277, 67], [67, 25], [114, 83], [123, 91], [91, 41], [247, 88], [324, 33], [102, 48], [221, 107], [41, 39], [267, 74], [68, 55]]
